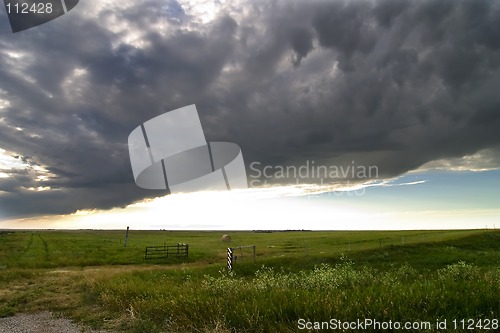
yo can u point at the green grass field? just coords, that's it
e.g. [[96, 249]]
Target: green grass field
[[402, 276]]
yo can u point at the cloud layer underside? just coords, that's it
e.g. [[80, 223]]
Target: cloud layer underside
[[391, 83]]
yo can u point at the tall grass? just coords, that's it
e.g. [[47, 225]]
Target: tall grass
[[273, 301], [398, 276]]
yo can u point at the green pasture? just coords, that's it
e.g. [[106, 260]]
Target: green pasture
[[79, 248], [92, 277]]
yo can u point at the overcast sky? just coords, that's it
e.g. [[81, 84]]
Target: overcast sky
[[391, 83]]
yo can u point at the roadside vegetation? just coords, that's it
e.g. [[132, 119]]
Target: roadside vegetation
[[92, 277]]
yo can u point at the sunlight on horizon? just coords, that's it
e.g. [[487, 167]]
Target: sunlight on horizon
[[274, 208]]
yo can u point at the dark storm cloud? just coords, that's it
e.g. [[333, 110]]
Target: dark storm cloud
[[389, 83]]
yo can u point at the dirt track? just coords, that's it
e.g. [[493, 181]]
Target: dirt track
[[42, 322]]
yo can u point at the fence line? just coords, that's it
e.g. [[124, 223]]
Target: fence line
[[166, 251]]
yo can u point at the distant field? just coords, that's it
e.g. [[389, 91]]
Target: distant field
[[49, 249], [386, 275]]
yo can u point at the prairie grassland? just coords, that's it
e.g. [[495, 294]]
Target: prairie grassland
[[399, 275]]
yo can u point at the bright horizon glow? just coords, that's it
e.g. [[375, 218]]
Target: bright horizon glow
[[401, 203]]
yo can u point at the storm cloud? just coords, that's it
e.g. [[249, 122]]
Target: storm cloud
[[390, 83]]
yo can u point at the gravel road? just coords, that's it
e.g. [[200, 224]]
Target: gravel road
[[42, 322]]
